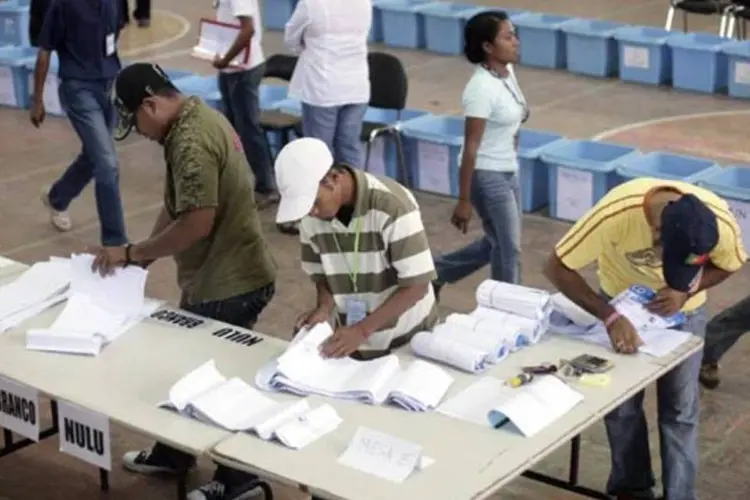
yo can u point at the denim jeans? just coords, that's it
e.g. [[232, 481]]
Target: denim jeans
[[678, 406], [725, 329], [91, 111], [241, 97], [242, 311], [496, 197], [340, 127]]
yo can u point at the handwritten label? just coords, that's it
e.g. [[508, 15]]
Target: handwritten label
[[382, 455], [51, 96], [19, 409], [85, 435], [741, 212], [376, 164], [7, 87], [237, 336], [635, 57], [742, 73], [434, 168], [177, 319], [575, 192]]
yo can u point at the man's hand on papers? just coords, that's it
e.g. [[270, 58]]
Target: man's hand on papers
[[312, 318], [624, 337], [344, 341], [667, 302], [106, 259]]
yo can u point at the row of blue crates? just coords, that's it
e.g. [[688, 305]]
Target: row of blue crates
[[689, 61]]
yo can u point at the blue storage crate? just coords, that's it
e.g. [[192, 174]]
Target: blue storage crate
[[177, 74], [289, 105], [383, 154], [52, 103], [403, 24], [733, 184], [198, 85], [698, 63], [644, 55], [532, 170], [444, 24], [666, 166], [269, 95], [580, 174], [432, 145], [542, 40], [376, 28], [14, 80], [14, 24], [738, 54], [591, 48], [276, 13]]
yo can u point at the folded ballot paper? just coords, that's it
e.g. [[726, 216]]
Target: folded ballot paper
[[302, 370], [40, 287], [451, 352], [206, 395], [99, 309], [529, 408], [519, 300], [655, 331]]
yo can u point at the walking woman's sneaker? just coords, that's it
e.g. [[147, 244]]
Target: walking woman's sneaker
[[709, 376]]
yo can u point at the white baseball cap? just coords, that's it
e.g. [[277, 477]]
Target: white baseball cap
[[300, 166]]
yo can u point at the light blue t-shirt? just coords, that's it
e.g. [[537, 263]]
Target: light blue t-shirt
[[500, 102]]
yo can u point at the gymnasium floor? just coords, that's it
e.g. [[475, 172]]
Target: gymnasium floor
[[649, 118]]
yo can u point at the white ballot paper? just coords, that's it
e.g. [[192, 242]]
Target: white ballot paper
[[215, 39]]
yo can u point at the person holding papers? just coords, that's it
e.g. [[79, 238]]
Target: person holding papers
[[210, 225], [680, 240], [364, 247]]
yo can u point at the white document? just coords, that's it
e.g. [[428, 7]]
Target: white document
[[19, 409], [382, 455], [632, 302], [518, 300], [216, 39], [657, 342], [450, 352], [434, 168], [635, 57], [742, 72], [495, 342], [741, 209], [7, 88], [575, 192], [41, 282], [85, 435], [573, 311]]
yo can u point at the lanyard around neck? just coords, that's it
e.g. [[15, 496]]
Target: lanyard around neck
[[352, 270], [516, 96]]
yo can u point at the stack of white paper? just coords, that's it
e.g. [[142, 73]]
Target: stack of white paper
[[530, 408], [40, 287], [98, 311], [206, 395], [520, 300], [302, 370], [450, 352]]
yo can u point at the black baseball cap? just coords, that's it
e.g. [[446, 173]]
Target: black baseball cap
[[132, 86], [689, 232]]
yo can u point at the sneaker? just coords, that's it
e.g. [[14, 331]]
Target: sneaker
[[263, 200], [288, 228], [61, 220], [142, 462], [218, 491], [709, 376], [144, 23]]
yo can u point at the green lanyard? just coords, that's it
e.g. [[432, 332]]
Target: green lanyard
[[353, 270]]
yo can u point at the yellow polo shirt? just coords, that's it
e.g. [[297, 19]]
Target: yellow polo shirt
[[617, 235]]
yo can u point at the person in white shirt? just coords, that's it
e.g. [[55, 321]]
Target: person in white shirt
[[239, 84], [332, 78], [494, 107]]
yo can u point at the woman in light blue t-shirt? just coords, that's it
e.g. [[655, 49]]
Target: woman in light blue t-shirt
[[494, 107]]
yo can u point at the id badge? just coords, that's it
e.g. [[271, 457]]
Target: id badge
[[356, 311], [110, 45]]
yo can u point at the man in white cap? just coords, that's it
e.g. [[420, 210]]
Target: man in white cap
[[363, 245]]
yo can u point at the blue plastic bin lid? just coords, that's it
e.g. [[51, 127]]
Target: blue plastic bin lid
[[291, 106], [390, 116], [13, 55], [441, 129], [643, 34], [667, 164], [412, 6], [30, 62], [732, 181], [269, 93], [591, 27], [739, 48], [697, 41], [541, 20], [13, 8], [531, 143], [448, 9], [512, 13], [197, 84], [587, 155]]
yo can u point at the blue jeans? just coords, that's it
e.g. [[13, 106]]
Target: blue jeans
[[340, 127], [241, 97], [725, 329], [90, 110], [678, 405], [496, 197]]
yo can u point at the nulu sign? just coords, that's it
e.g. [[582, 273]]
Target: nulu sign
[[85, 435], [19, 409]]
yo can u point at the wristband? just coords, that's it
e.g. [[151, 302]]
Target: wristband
[[612, 318]]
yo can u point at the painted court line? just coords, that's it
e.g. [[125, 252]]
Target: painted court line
[[184, 30], [667, 119]]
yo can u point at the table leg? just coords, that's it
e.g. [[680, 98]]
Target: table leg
[[104, 480], [575, 454]]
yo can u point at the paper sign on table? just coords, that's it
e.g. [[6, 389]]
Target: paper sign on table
[[85, 435], [741, 212], [383, 455], [574, 193], [434, 167], [376, 161], [19, 409]]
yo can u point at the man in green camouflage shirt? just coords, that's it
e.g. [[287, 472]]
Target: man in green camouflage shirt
[[209, 224]]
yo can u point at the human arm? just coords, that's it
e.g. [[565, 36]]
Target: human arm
[[313, 267], [50, 37], [243, 12], [294, 30]]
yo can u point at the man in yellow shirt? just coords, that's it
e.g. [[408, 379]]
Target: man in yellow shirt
[[679, 240]]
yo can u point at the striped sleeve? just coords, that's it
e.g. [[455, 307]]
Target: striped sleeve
[[729, 254], [408, 249], [311, 263]]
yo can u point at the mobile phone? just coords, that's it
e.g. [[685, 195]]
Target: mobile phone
[[591, 364]]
